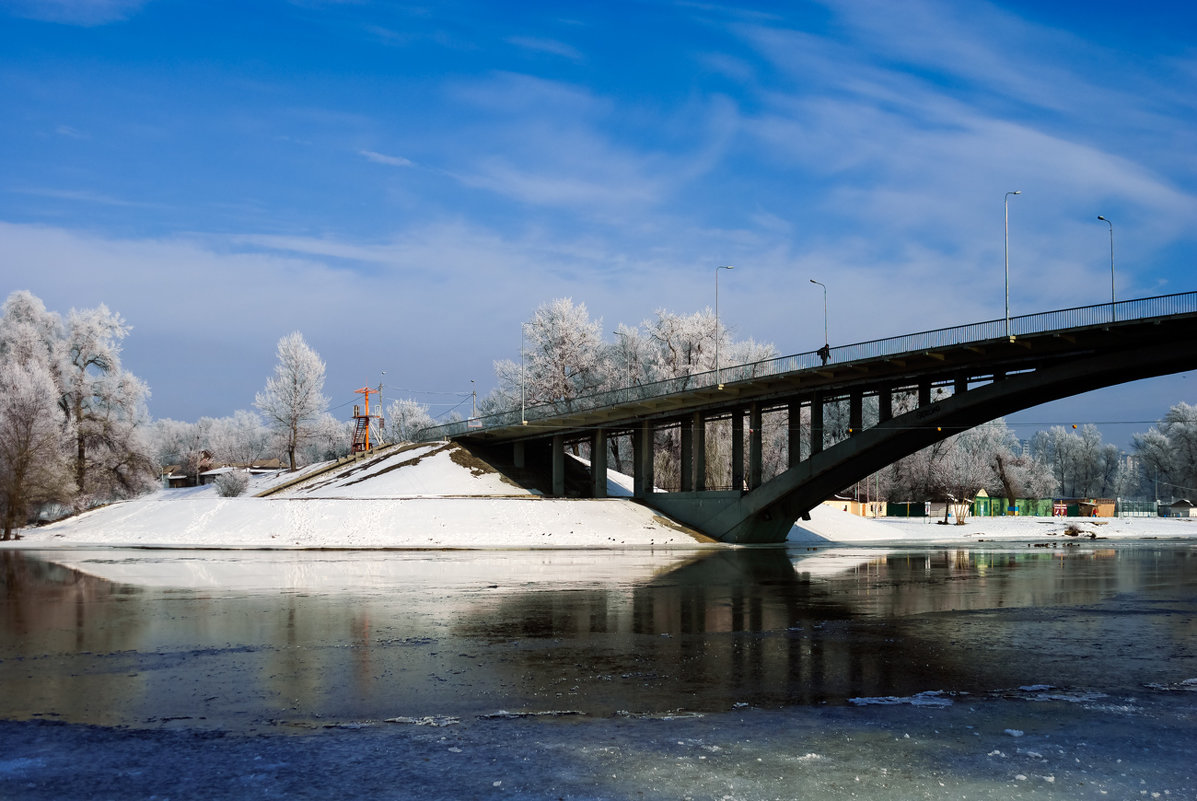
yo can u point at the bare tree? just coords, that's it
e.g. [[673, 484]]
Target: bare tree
[[293, 401]]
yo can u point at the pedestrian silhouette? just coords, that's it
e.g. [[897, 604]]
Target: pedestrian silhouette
[[824, 353]]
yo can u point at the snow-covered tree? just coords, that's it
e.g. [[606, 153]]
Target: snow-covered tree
[[33, 467], [328, 438], [561, 359], [239, 440], [293, 401], [1083, 467], [30, 334], [1168, 451], [405, 419], [105, 404]]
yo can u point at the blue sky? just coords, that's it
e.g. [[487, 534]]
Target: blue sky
[[405, 183]]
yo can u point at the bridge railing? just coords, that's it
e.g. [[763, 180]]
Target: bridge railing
[[1078, 317]]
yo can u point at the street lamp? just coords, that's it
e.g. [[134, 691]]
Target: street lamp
[[523, 373], [1006, 204], [826, 341], [1113, 308], [629, 350], [717, 269]]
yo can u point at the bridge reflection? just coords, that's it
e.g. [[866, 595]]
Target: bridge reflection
[[765, 627]]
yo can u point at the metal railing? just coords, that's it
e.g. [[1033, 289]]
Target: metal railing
[[1042, 323]]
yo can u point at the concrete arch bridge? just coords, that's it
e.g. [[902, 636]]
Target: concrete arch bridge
[[957, 378]]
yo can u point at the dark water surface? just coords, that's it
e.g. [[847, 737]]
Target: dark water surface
[[289, 641]]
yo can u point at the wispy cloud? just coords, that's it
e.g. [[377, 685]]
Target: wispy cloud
[[70, 133], [382, 158], [85, 13], [550, 46], [83, 196]]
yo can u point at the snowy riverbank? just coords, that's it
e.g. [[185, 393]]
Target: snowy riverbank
[[438, 497]]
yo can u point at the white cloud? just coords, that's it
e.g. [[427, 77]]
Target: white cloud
[[549, 46], [382, 158], [86, 13]]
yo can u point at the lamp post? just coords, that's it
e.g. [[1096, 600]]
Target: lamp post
[[826, 340], [473, 399], [523, 374], [628, 395], [717, 269], [1113, 308], [1006, 204]]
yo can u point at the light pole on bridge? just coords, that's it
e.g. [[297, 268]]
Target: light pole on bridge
[[1006, 204], [1113, 308], [717, 269], [825, 352]]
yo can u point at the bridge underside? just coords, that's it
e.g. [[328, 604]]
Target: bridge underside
[[954, 390]]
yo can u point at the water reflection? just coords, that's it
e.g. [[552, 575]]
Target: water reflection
[[251, 638]]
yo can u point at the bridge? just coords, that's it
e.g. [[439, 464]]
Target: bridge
[[901, 394]]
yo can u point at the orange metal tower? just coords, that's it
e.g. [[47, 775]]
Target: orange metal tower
[[361, 421]]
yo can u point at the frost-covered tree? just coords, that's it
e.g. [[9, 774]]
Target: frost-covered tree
[[405, 419], [293, 401], [561, 359], [241, 439], [328, 438], [29, 333], [1168, 451], [1082, 466], [33, 468], [105, 404]]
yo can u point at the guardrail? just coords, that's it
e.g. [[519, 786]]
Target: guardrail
[[1025, 325]]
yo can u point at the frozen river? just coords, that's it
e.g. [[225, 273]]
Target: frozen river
[[986, 672]]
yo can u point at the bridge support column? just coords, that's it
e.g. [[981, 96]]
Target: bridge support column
[[794, 433], [924, 393], [961, 384], [686, 468], [737, 457], [517, 456], [755, 451], [558, 466], [642, 449], [885, 405], [816, 424], [698, 426], [855, 412], [598, 462]]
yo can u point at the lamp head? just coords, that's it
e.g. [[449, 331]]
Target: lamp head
[[1103, 219]]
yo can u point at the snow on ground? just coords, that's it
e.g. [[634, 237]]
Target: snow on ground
[[436, 496]]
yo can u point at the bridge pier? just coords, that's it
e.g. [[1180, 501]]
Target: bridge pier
[[686, 462], [855, 412], [755, 449], [598, 462], [558, 446], [816, 424], [642, 455], [794, 433], [737, 454], [885, 404]]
